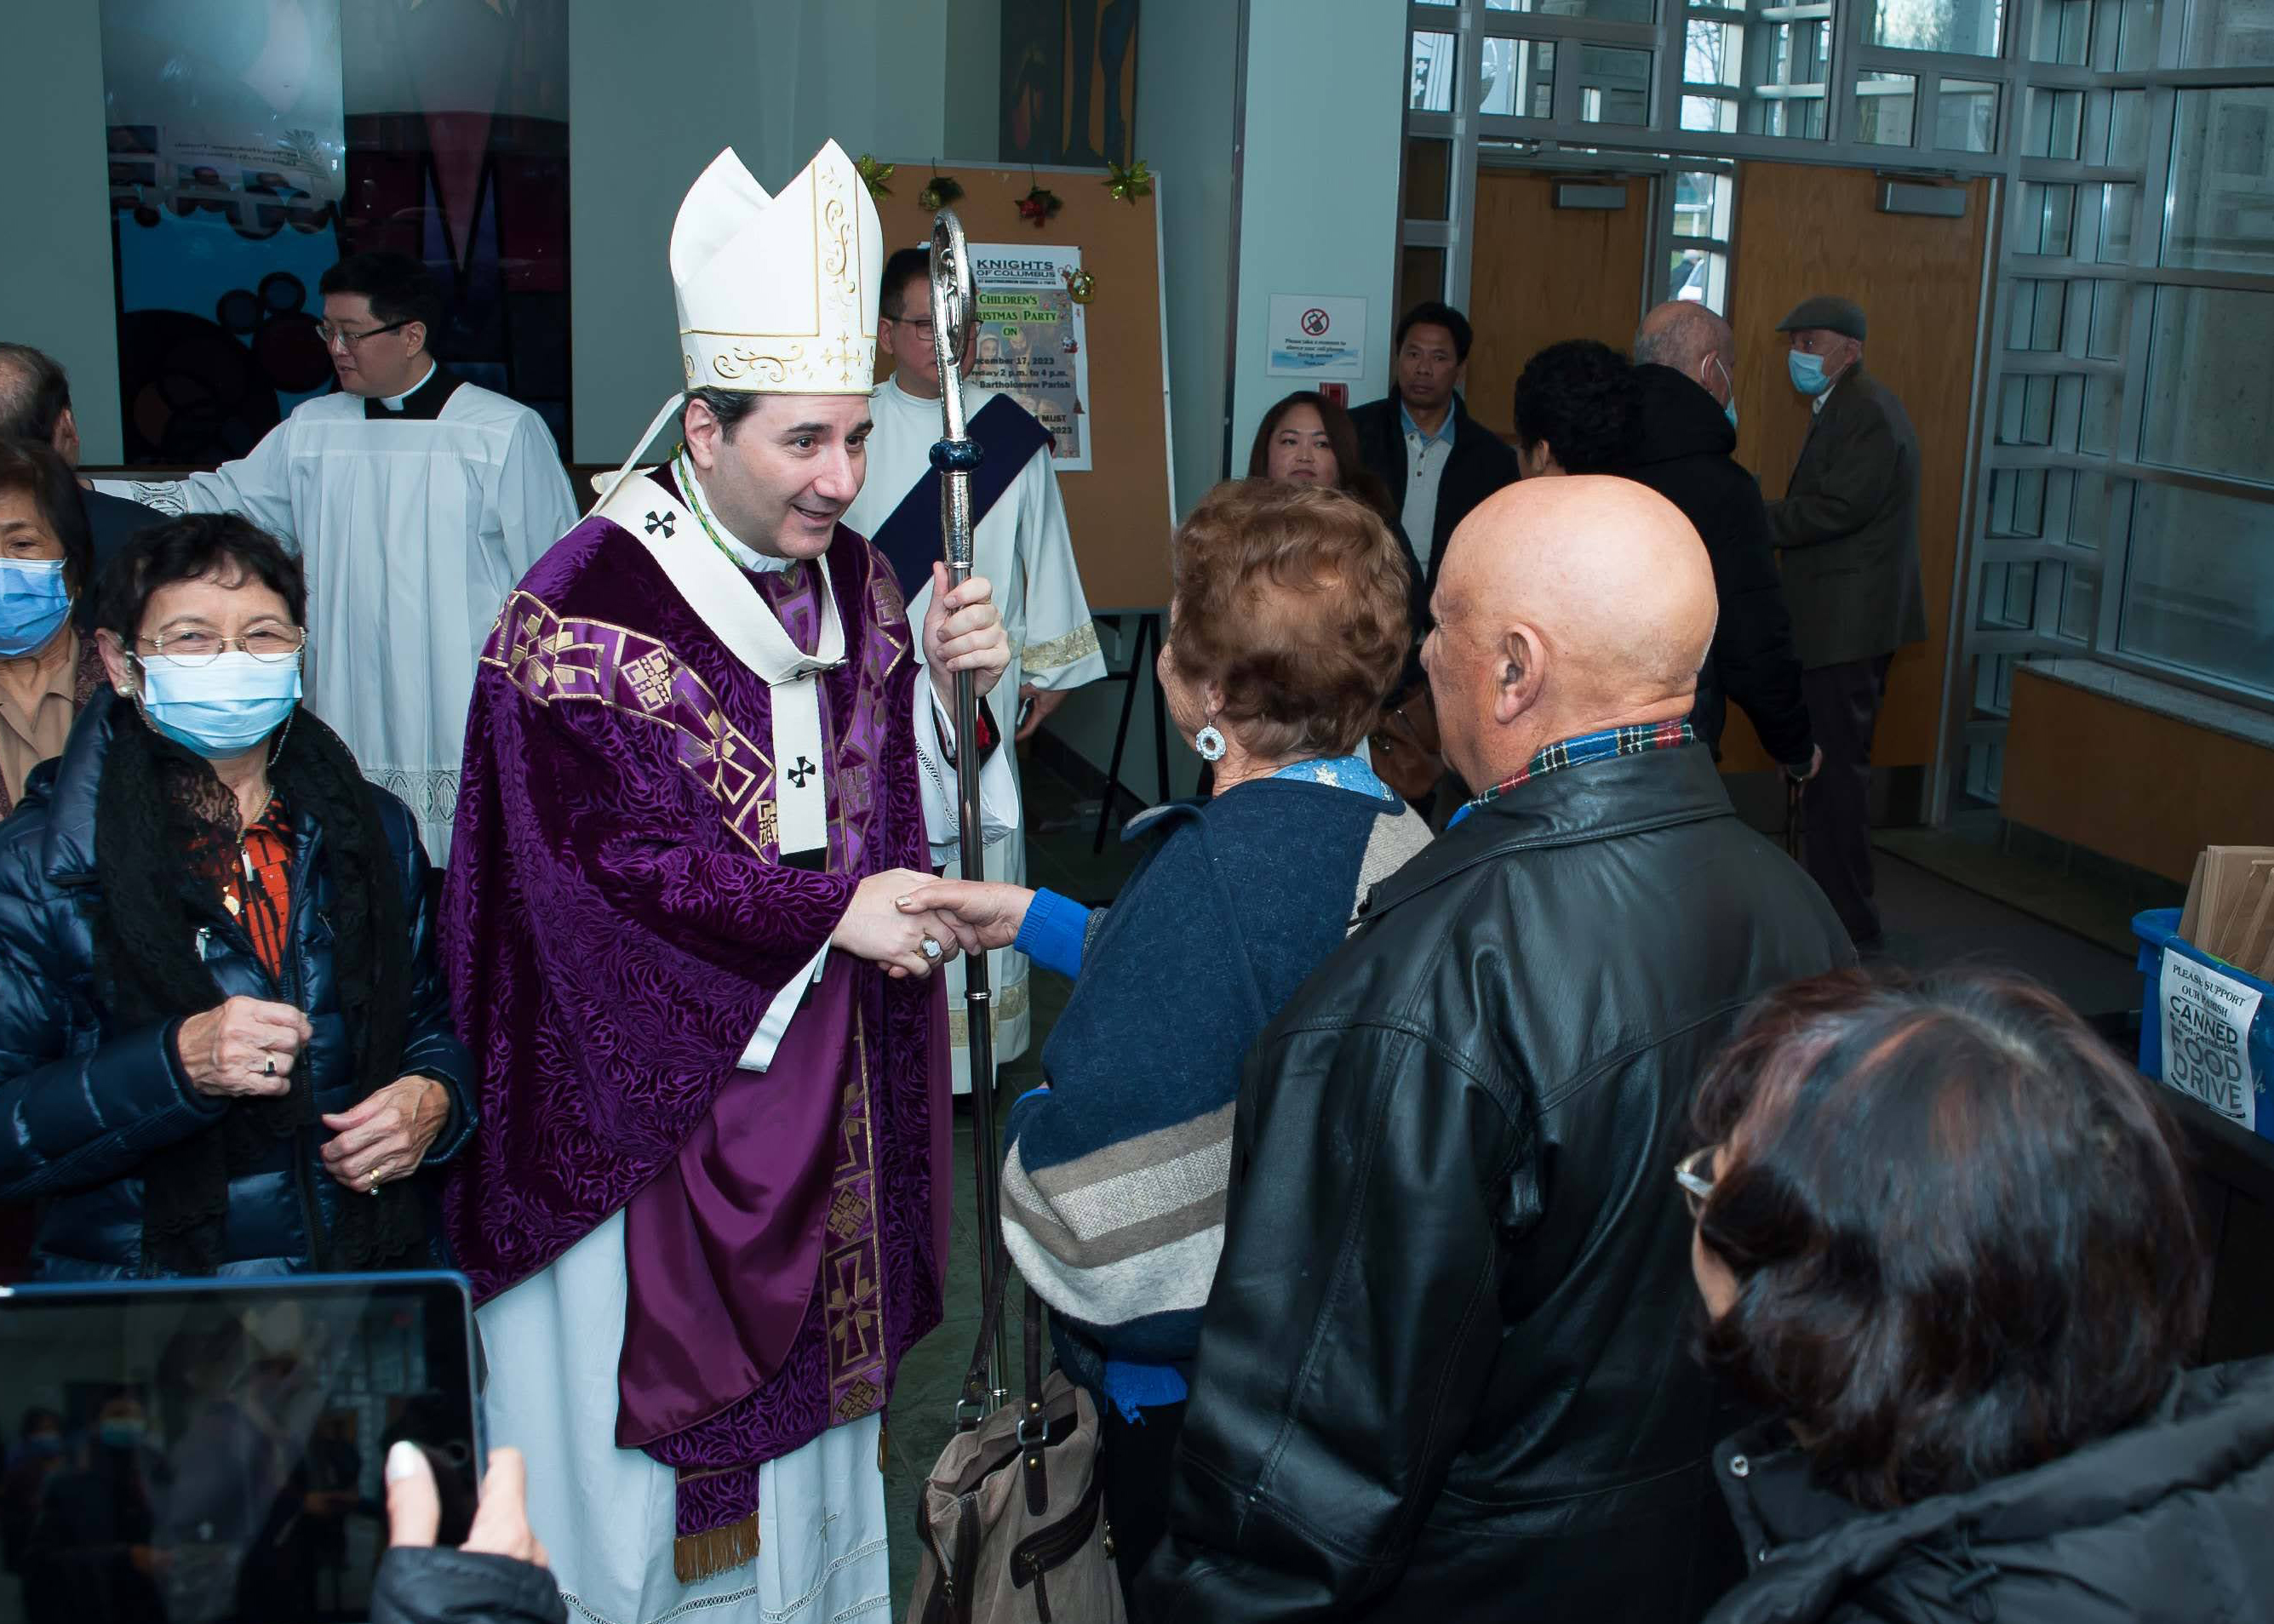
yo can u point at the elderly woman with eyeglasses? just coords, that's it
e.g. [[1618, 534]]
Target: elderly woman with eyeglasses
[[1948, 1244], [225, 1046]]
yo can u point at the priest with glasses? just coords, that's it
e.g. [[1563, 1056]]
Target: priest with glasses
[[415, 499], [709, 754]]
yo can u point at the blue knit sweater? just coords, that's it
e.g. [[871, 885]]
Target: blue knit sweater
[[1115, 1177]]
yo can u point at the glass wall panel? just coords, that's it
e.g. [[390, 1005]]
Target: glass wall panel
[[1597, 11], [1519, 78], [1966, 117], [1430, 88], [2128, 130], [1614, 86], [2228, 34], [1428, 177], [1420, 274], [2056, 120], [1704, 203], [2111, 302], [2080, 604], [2219, 209], [2210, 394], [2119, 204], [2045, 219], [2199, 589], [1959, 27], [2037, 312], [1885, 104]]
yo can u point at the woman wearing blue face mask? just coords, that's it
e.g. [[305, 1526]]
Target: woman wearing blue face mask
[[47, 670], [224, 1041]]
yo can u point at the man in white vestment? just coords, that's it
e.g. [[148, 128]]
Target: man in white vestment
[[1020, 543], [704, 1214], [416, 499]]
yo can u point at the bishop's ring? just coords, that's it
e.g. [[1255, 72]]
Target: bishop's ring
[[931, 949]]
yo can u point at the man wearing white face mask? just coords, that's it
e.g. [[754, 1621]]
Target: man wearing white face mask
[[1847, 528], [1685, 449]]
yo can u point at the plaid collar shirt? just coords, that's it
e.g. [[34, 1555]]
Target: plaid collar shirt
[[1588, 748]]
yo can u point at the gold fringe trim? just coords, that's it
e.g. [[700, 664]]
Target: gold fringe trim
[[697, 1557]]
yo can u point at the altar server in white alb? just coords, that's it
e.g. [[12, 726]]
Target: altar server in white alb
[[416, 500], [1020, 543]]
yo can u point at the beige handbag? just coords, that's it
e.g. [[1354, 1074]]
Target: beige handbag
[[1012, 1517]]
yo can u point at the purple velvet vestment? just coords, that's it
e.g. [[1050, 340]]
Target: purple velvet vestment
[[615, 923]]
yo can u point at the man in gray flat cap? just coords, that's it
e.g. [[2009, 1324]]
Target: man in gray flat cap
[[1847, 530]]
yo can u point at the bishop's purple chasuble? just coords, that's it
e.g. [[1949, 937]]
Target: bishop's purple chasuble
[[617, 919]]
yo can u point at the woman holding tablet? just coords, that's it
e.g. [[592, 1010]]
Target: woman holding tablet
[[225, 1046]]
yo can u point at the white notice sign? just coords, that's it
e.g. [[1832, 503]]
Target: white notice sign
[[1317, 336], [2207, 1017]]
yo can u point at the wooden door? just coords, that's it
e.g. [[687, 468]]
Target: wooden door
[[1540, 275], [1804, 230]]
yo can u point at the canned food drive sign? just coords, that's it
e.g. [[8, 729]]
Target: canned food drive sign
[[2207, 1017]]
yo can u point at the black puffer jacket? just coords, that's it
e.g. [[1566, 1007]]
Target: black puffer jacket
[[83, 1100], [433, 1584], [2170, 1523], [1685, 451], [1444, 1370]]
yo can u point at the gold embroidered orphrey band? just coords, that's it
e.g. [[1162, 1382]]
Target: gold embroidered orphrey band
[[1060, 652]]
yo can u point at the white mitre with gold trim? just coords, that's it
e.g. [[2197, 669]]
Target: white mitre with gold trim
[[777, 295]]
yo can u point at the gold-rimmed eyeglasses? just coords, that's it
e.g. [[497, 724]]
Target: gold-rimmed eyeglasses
[[1694, 1173], [266, 643]]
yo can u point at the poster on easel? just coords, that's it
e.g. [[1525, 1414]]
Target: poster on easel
[[1032, 340]]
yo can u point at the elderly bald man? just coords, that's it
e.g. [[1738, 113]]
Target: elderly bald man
[[1444, 1371], [1685, 447]]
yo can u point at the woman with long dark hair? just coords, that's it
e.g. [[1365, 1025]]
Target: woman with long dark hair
[[1945, 1237], [224, 1042]]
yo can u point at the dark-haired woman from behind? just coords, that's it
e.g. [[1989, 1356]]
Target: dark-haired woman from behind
[[225, 1044], [1945, 1236]]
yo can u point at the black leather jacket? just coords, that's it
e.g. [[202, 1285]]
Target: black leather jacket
[[1445, 1372]]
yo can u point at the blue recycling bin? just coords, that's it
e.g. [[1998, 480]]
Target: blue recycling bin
[[2158, 929]]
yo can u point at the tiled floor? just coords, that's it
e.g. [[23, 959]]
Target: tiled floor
[[1932, 921]]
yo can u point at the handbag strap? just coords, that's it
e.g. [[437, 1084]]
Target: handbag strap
[[1034, 1427]]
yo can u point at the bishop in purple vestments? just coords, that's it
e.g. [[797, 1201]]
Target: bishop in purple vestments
[[702, 765]]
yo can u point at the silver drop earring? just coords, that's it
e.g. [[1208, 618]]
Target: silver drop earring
[[1209, 743]]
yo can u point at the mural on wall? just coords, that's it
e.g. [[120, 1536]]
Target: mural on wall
[[253, 145], [1069, 81]]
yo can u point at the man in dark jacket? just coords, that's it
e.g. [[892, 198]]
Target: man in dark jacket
[[1444, 1371], [1438, 462], [1684, 449], [35, 403], [1848, 530]]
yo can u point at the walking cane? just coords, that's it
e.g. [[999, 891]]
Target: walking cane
[[955, 456], [1792, 789]]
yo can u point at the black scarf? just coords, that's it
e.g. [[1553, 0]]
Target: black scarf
[[165, 826]]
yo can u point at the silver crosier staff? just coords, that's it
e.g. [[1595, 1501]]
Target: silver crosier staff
[[955, 455]]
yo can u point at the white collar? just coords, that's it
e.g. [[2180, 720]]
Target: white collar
[[748, 557], [394, 402]]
